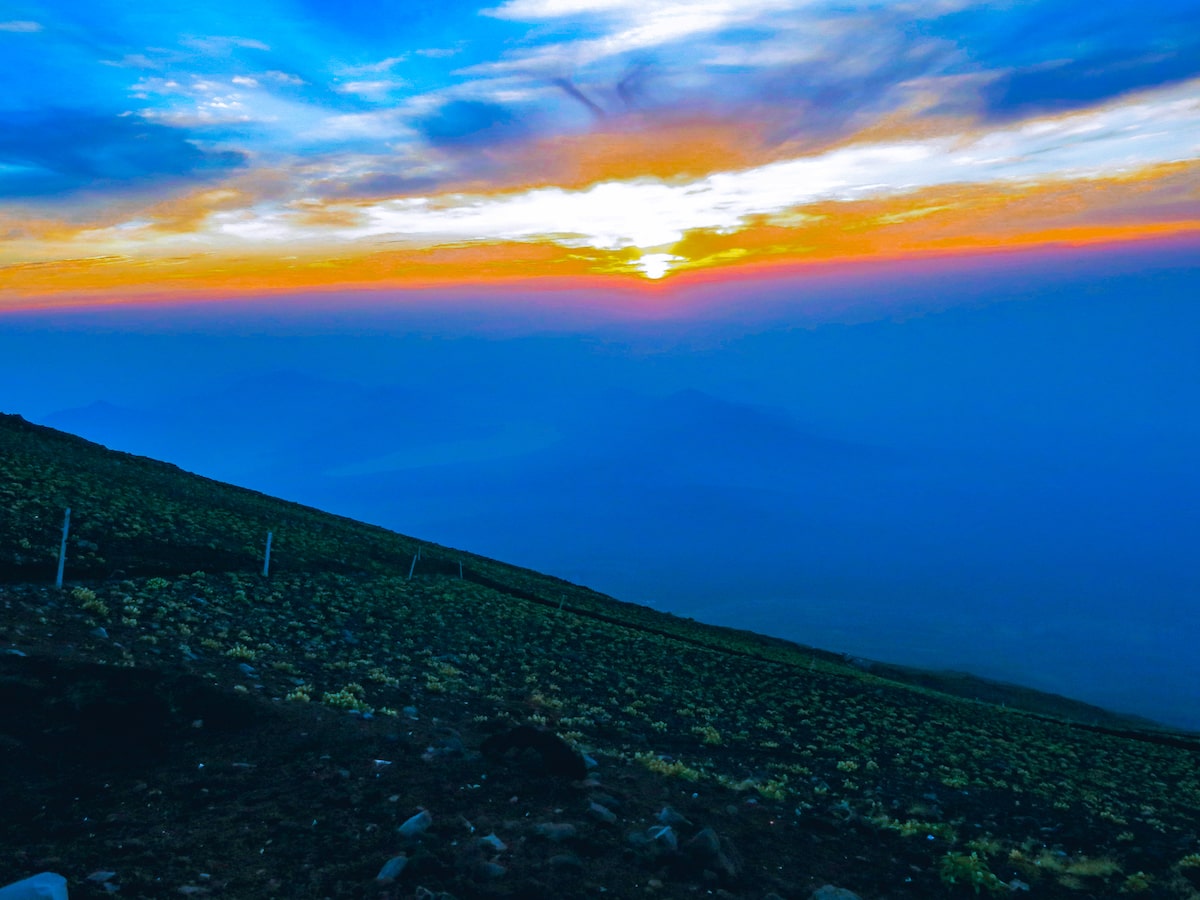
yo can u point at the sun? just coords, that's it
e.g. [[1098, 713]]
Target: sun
[[656, 265]]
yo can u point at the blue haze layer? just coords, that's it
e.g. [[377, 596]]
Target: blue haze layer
[[999, 475]]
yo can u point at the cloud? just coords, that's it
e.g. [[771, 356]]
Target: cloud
[[379, 89], [627, 26], [369, 127], [283, 78], [812, 68], [649, 215], [216, 45], [374, 68], [20, 26], [1058, 55], [133, 61], [656, 225], [62, 151]]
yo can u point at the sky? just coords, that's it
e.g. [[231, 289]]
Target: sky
[[870, 325]]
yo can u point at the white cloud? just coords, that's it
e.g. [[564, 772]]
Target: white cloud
[[20, 26], [222, 45], [282, 77], [652, 216], [133, 61], [695, 27], [381, 124], [244, 81], [372, 68], [644, 26], [379, 89], [157, 86]]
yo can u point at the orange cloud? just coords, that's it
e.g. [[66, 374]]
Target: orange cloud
[[1153, 202]]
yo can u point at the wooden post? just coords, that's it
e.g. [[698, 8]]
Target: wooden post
[[460, 570], [267, 556], [413, 567], [62, 551]]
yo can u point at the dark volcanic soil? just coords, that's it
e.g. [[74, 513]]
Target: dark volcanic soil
[[158, 785]]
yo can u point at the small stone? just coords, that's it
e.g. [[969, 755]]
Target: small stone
[[829, 892], [555, 831], [705, 844], [669, 816], [391, 869], [493, 842], [663, 835], [603, 813], [416, 824], [710, 850], [606, 800], [655, 840], [486, 870]]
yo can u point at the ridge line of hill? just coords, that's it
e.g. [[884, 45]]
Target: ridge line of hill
[[396, 548]]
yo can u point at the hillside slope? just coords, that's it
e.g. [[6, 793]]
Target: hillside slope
[[175, 721]]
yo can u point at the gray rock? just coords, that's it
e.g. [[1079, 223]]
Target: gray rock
[[555, 831], [663, 836], [606, 800], [713, 853], [669, 816], [829, 892], [416, 824], [706, 844], [655, 841], [391, 869], [493, 843], [486, 870], [603, 813]]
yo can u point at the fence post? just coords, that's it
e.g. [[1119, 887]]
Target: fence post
[[62, 551], [267, 556], [413, 567]]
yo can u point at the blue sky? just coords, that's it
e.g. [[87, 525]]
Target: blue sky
[[867, 324]]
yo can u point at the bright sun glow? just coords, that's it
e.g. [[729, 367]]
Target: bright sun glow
[[655, 265], [617, 138]]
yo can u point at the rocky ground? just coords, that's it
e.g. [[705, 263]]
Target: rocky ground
[[148, 783]]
